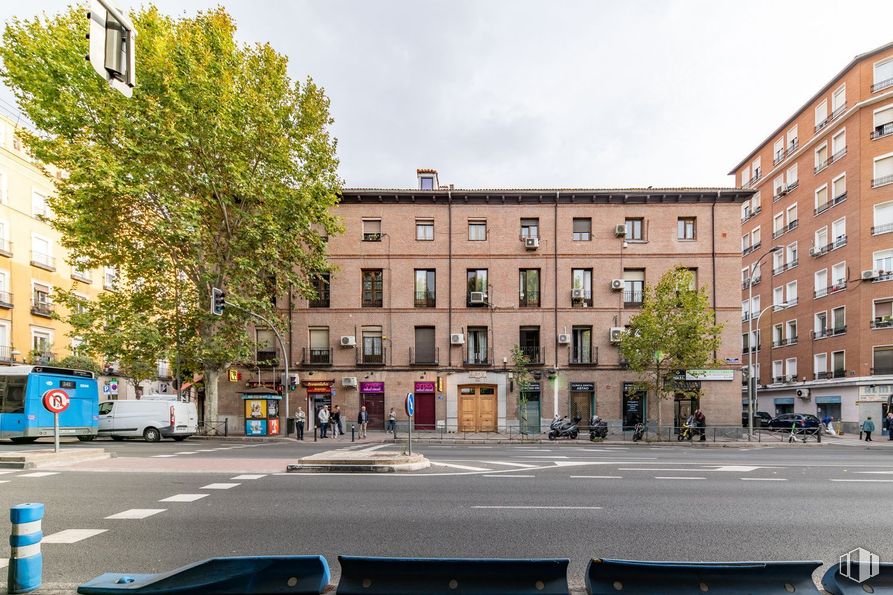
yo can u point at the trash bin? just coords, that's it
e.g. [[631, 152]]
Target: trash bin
[[289, 426]]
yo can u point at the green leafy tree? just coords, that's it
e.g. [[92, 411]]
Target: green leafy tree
[[220, 167], [522, 378], [675, 330]]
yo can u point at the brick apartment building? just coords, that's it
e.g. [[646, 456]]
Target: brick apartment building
[[434, 286], [824, 202]]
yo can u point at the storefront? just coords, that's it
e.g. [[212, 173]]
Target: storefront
[[424, 405], [372, 397], [319, 394], [582, 401], [634, 404], [783, 405], [529, 409], [828, 405]]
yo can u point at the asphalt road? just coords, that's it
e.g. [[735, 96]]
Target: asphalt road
[[640, 502]]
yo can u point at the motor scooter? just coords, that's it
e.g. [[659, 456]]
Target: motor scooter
[[598, 428], [564, 428], [638, 432]]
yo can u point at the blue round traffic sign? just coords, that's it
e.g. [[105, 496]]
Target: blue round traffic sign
[[410, 404]]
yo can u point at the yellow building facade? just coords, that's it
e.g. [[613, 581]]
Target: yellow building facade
[[33, 263]]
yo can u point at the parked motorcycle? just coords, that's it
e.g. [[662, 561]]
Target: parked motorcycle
[[638, 432], [564, 428], [687, 432], [598, 428]]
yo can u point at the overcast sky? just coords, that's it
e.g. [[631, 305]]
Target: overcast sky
[[520, 93]]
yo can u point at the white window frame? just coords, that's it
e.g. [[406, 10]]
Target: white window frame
[[874, 170], [756, 168], [820, 112], [819, 369], [791, 253], [835, 149], [838, 230], [887, 205], [820, 162], [838, 98], [822, 231], [834, 185], [874, 69], [791, 331], [37, 212], [791, 301], [790, 367], [836, 280], [819, 191], [882, 255], [792, 137], [820, 279], [796, 175], [791, 213], [778, 223]]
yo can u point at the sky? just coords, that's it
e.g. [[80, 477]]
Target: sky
[[522, 93]]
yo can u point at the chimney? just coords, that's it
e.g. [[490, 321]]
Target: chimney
[[427, 179]]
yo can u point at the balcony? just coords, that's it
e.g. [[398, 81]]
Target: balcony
[[822, 375], [5, 248], [746, 283], [529, 299], [5, 300], [828, 332], [837, 112], [819, 293], [581, 358], [785, 342], [838, 155], [881, 85], [778, 158], [425, 299], [632, 299], [883, 181], [822, 124], [82, 276], [581, 298], [792, 146], [882, 131], [477, 358], [821, 165], [831, 203], [373, 300], [321, 300], [43, 261], [42, 307], [372, 237], [748, 249], [316, 357], [879, 229], [40, 356], [431, 357], [882, 371], [372, 358], [536, 354], [882, 322], [751, 214], [6, 354], [267, 358]]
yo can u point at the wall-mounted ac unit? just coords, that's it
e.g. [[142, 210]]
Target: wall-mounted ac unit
[[457, 339], [578, 294], [870, 274], [616, 284], [348, 341], [620, 230], [564, 338], [815, 251], [803, 393], [349, 381], [477, 297], [531, 243], [616, 333]]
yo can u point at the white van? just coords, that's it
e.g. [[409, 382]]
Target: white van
[[153, 417]]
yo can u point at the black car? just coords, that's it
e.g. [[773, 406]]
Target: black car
[[761, 419], [803, 421]]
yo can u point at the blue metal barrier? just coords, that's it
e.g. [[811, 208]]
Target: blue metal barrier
[[604, 577], [25, 560], [432, 576], [252, 575], [837, 584]]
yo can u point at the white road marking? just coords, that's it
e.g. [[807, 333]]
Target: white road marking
[[187, 452], [4, 562], [542, 507], [136, 513], [542, 457], [677, 477], [463, 467], [596, 477], [876, 472], [207, 450], [478, 447], [523, 465], [250, 476], [184, 498], [371, 448], [656, 469], [40, 474], [6, 472], [219, 486], [741, 468], [762, 479], [162, 456], [866, 480], [511, 476], [4, 481], [72, 535]]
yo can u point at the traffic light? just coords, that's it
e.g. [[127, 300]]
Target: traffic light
[[218, 301], [112, 45]]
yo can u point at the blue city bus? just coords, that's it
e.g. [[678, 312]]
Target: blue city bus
[[23, 417]]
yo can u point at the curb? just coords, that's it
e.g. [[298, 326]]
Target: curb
[[39, 459]]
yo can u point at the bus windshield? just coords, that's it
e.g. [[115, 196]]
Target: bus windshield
[[12, 394]]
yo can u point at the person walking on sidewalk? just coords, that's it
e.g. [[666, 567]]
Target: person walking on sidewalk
[[335, 421], [701, 421], [362, 422], [392, 421], [300, 420], [868, 428], [889, 423], [323, 421]]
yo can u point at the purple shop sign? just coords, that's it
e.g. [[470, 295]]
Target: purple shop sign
[[372, 387], [424, 387]]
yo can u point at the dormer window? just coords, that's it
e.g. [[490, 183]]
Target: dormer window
[[427, 179]]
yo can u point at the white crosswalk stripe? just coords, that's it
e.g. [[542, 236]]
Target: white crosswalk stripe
[[72, 535], [39, 474], [219, 486], [135, 513], [184, 498], [249, 476]]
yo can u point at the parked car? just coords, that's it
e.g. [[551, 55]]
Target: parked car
[[802, 420], [764, 419], [151, 418]]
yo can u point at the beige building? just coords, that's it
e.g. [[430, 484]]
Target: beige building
[[824, 201], [434, 286]]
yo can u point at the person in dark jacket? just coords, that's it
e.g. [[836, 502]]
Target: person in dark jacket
[[889, 422], [868, 428], [335, 422], [362, 422], [701, 421]]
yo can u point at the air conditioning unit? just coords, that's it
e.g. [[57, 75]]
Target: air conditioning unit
[[349, 381], [457, 339], [616, 333], [616, 284], [803, 393], [477, 297], [564, 339], [870, 274], [620, 230], [578, 294], [348, 341], [531, 243]]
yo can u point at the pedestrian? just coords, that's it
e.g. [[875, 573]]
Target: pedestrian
[[323, 421], [830, 426], [889, 423], [362, 421], [300, 420], [340, 420], [392, 421], [701, 420], [868, 428], [335, 421]]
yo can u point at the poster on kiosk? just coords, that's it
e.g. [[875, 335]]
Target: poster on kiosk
[[261, 412]]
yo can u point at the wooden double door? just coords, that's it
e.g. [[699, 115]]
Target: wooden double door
[[477, 408]]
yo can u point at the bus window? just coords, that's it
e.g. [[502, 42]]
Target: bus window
[[12, 394], [105, 408]]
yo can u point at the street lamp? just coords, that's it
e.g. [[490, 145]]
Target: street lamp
[[751, 386]]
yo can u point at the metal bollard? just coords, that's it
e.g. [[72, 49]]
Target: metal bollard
[[25, 559], [353, 432]]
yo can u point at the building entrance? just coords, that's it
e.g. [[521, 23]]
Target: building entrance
[[477, 408]]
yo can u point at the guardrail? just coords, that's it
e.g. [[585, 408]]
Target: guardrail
[[213, 428]]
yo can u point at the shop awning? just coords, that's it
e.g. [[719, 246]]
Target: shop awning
[[784, 401], [827, 400]]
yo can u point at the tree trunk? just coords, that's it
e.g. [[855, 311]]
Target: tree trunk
[[212, 376]]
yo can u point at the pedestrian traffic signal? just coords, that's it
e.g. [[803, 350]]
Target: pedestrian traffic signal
[[218, 301], [112, 45]]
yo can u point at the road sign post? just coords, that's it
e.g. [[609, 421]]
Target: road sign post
[[56, 401], [410, 411]]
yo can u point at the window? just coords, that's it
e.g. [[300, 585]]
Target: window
[[883, 261], [372, 288], [745, 177], [838, 276], [745, 243], [425, 296], [426, 182], [792, 177], [5, 298], [266, 345], [821, 157], [424, 231], [883, 218], [838, 232], [820, 365], [529, 343], [755, 306], [778, 151], [745, 306], [790, 365], [79, 270], [371, 230], [821, 198], [529, 288], [821, 115], [38, 204], [882, 362], [882, 316], [4, 188], [838, 188], [477, 346], [821, 238], [838, 364], [755, 203], [778, 371], [777, 335], [778, 224], [477, 231], [756, 168], [778, 257], [745, 211], [40, 300], [791, 289], [821, 282], [530, 228], [793, 141], [477, 284], [791, 328], [425, 350], [883, 171], [320, 349], [792, 216], [838, 320], [778, 186], [778, 296], [42, 343], [883, 75], [755, 238], [883, 122], [685, 228], [321, 285], [635, 229], [109, 278], [838, 99], [838, 145], [633, 285], [582, 228], [581, 288], [373, 349], [581, 345], [41, 252]]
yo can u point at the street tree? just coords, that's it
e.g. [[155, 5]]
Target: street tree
[[522, 378], [220, 168], [675, 330]]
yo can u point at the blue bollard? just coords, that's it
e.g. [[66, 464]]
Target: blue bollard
[[25, 559]]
